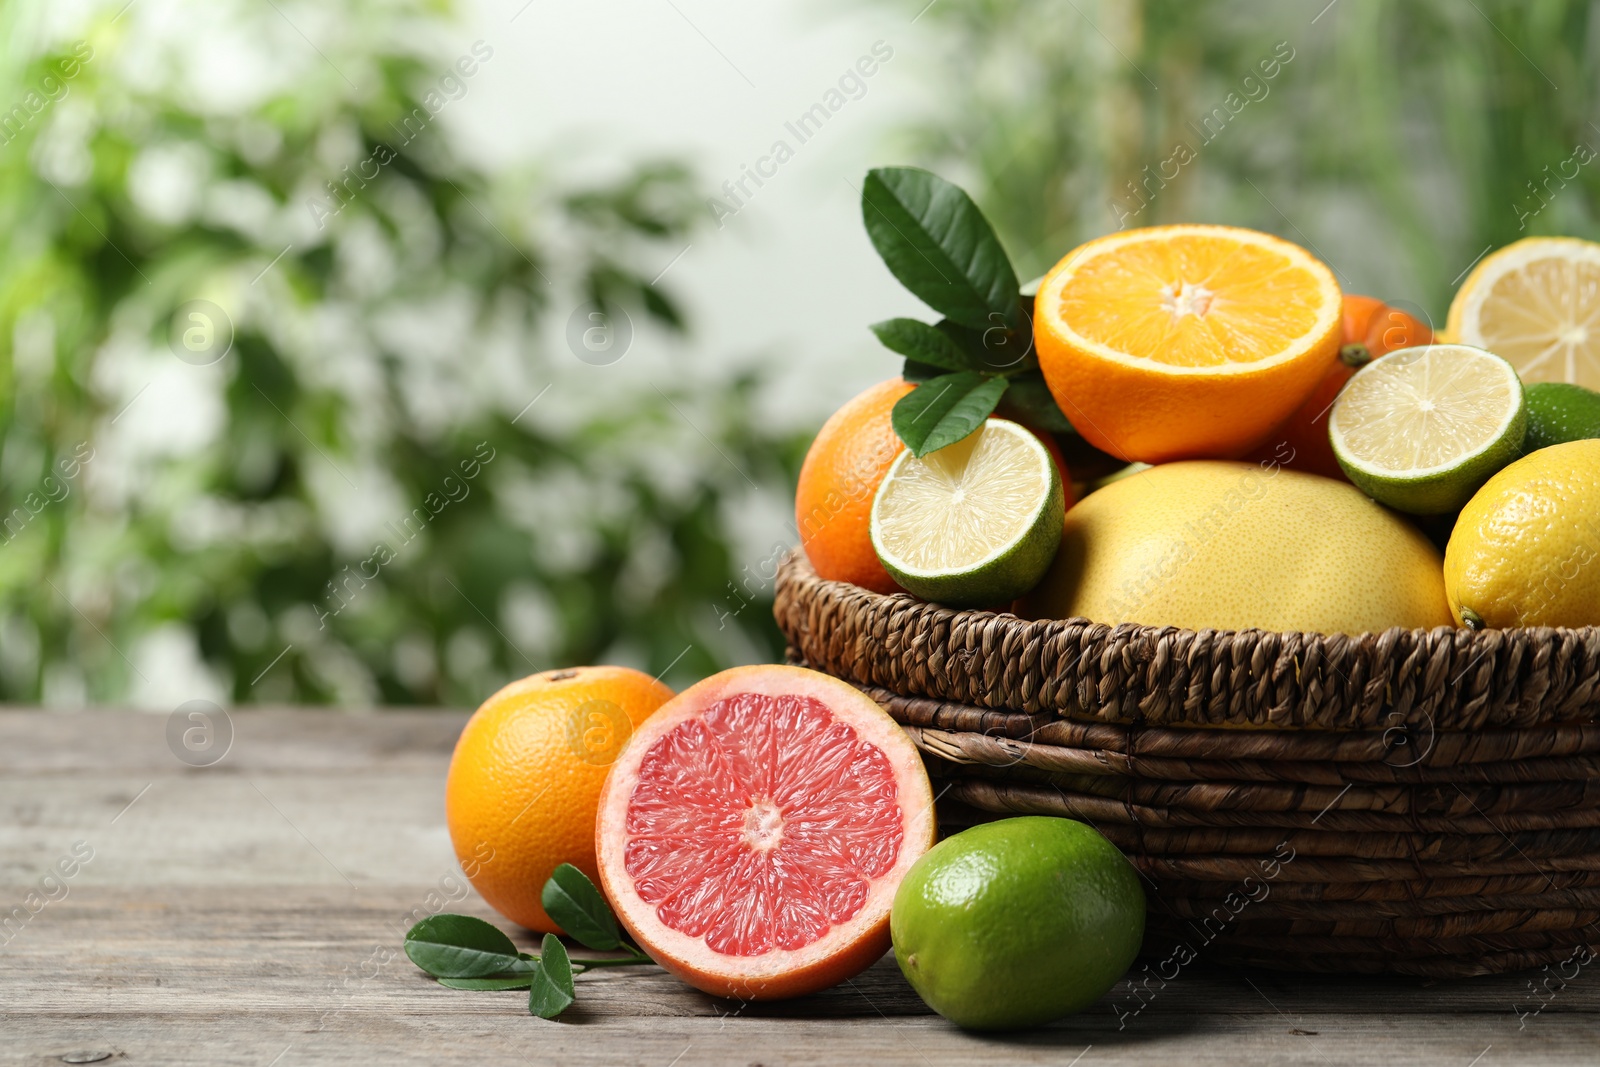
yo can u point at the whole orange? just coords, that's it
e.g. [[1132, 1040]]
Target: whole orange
[[841, 472], [524, 783]]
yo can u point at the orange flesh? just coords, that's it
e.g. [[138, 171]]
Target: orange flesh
[[1192, 301]]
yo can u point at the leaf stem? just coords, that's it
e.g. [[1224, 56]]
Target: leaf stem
[[634, 959], [591, 965]]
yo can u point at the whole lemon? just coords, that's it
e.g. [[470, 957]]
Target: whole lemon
[[1228, 546], [1526, 549]]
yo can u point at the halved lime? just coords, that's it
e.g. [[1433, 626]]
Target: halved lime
[[976, 523], [1422, 428]]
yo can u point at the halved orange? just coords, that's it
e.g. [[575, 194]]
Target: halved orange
[[1177, 342]]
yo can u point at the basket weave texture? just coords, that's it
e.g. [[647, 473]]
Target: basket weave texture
[[1416, 801]]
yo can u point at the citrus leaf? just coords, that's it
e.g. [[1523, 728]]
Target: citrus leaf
[[937, 243], [551, 992], [923, 343], [943, 410], [460, 946], [513, 981], [1030, 401], [912, 371], [995, 350], [575, 905]]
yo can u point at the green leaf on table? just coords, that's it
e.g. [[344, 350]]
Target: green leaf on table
[[1029, 400], [509, 981], [575, 905], [943, 410], [923, 343], [937, 243], [552, 992], [460, 946]]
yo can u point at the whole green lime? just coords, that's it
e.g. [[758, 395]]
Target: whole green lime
[[1014, 923], [1558, 413]]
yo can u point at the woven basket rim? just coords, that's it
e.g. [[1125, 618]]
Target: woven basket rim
[[1442, 678], [798, 559]]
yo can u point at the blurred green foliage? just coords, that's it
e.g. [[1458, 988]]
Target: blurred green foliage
[[357, 503], [1400, 140], [256, 520]]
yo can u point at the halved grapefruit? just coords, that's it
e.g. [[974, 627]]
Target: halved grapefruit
[[753, 833]]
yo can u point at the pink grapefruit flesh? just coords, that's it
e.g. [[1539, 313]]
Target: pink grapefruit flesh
[[752, 834]]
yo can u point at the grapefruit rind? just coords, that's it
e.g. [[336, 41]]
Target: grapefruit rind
[[847, 947]]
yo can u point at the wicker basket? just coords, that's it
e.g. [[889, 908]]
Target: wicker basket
[[1417, 801]]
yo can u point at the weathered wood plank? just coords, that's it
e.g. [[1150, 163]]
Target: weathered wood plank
[[267, 1041], [306, 943], [253, 910], [301, 741]]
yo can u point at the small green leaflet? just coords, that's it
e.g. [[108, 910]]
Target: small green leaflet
[[460, 946], [937, 243], [923, 343], [943, 410], [552, 991], [573, 902], [467, 953]]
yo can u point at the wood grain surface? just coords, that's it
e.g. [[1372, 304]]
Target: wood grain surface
[[250, 912]]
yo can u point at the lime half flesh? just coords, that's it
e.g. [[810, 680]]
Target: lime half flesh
[[1420, 429], [976, 523]]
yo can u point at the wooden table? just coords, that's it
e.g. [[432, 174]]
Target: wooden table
[[250, 912]]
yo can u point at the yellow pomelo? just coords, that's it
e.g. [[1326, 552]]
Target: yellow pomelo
[[1526, 549], [1229, 546]]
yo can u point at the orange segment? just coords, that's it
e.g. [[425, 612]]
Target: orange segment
[[1182, 341]]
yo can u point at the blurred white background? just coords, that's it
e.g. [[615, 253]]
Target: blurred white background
[[791, 279]]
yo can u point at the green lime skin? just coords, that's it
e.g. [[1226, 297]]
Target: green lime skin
[[1002, 579], [1558, 413], [1012, 924]]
